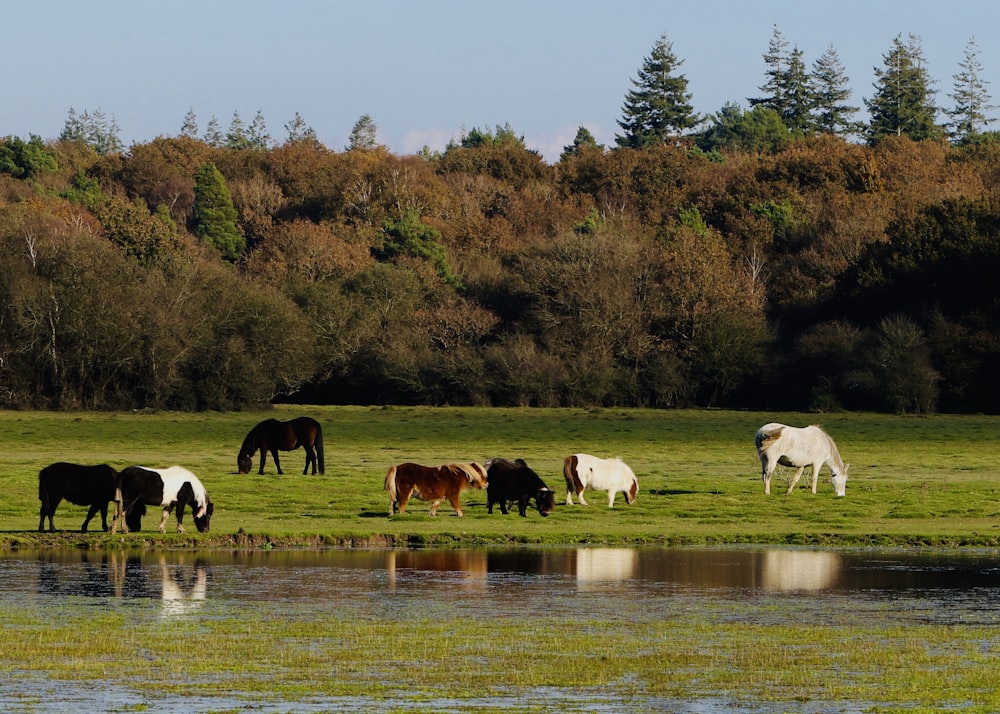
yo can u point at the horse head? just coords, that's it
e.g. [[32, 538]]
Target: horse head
[[840, 481], [244, 462], [203, 516], [632, 491]]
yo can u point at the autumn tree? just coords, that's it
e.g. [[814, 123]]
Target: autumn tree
[[903, 103], [214, 216], [658, 108]]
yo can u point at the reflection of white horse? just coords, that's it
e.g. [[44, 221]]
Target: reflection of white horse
[[800, 569], [605, 564], [180, 594], [799, 447]]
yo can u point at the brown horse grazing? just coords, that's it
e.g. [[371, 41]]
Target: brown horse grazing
[[432, 483], [272, 435]]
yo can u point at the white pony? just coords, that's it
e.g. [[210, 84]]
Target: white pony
[[799, 447], [612, 475]]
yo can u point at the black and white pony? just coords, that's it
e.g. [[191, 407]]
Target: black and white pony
[[799, 447], [170, 488]]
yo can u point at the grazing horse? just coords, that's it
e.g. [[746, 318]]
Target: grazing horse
[[92, 486], [272, 435], [170, 488], [612, 475], [432, 483], [516, 481], [799, 447]]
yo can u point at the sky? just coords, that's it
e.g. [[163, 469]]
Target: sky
[[426, 71]]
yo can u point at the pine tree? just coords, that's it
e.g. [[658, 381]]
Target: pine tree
[[830, 85], [213, 215], [213, 134], [972, 100], [236, 137], [789, 88], [257, 136], [583, 141], [299, 132], [364, 135], [659, 108], [190, 126], [903, 103]]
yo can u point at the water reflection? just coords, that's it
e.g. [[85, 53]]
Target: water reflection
[[181, 586], [182, 581]]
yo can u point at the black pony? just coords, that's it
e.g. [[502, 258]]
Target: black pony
[[272, 435], [92, 486]]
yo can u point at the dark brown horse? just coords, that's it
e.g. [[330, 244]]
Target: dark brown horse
[[272, 435]]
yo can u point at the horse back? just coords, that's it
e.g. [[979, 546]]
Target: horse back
[[79, 484], [430, 482]]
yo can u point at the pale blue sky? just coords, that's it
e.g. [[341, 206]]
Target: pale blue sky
[[427, 70]]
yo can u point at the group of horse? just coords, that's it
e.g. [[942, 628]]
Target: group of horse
[[172, 489], [506, 481]]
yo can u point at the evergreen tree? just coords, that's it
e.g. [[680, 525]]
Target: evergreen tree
[[93, 129], [583, 141], [300, 132], [257, 136], [972, 99], [659, 107], [236, 137], [830, 85], [213, 134], [213, 215], [903, 103], [189, 128], [789, 87], [364, 135]]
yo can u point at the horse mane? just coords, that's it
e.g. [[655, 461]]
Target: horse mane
[[472, 471]]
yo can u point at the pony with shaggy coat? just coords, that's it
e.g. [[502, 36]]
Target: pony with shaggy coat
[[799, 447]]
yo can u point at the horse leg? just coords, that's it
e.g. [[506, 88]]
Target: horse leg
[[404, 498], [277, 464], [434, 506], [263, 459], [48, 509], [611, 497], [94, 508], [163, 520], [310, 458], [795, 479], [816, 468], [579, 497], [765, 475]]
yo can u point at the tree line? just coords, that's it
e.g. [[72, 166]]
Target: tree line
[[766, 264]]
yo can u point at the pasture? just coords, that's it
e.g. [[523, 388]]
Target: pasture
[[913, 480]]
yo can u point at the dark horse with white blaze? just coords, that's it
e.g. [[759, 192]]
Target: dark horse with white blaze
[[92, 486], [273, 435]]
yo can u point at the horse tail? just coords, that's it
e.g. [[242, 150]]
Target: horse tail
[[573, 482], [390, 483], [318, 445]]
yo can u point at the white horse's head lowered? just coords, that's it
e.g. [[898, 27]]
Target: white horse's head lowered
[[840, 481]]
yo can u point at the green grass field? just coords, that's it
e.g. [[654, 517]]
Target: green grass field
[[913, 480]]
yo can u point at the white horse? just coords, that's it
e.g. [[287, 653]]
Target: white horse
[[799, 447], [612, 475]]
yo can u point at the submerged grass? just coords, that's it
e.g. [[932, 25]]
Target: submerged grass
[[681, 655]]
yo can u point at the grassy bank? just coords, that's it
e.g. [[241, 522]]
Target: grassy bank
[[925, 481]]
